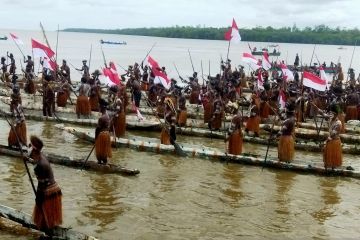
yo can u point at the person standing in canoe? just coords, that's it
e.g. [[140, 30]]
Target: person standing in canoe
[[20, 126], [47, 212], [85, 69], [118, 123], [168, 133], [82, 102], [182, 111], [102, 135], [65, 71], [63, 93], [286, 145], [48, 99], [332, 152], [235, 135], [94, 94], [253, 122], [12, 64]]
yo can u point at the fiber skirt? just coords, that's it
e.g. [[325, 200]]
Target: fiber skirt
[[332, 155], [103, 146], [235, 143], [286, 149], [21, 132], [83, 105]]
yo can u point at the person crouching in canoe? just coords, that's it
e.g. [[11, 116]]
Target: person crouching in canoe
[[102, 136], [235, 135], [168, 133], [286, 149], [20, 126], [47, 212]]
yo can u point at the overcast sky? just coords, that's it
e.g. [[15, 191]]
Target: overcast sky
[[26, 14]]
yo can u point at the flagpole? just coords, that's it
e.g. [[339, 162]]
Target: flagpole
[[227, 55], [18, 47], [312, 55], [57, 42], [352, 56], [90, 56]]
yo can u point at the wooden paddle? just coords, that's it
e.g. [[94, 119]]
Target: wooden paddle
[[27, 169]]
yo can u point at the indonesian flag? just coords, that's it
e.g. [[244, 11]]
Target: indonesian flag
[[40, 50], [249, 58], [233, 34], [153, 64], [16, 39], [260, 81], [287, 74], [265, 62], [282, 99], [323, 75], [160, 77], [49, 64], [111, 75], [312, 81]]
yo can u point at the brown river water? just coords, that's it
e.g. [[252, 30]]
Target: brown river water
[[186, 198], [182, 198]]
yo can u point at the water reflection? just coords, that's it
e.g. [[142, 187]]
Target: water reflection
[[16, 178], [233, 193], [104, 204], [168, 178], [330, 198]]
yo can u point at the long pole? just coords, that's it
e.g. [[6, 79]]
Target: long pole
[[352, 56], [44, 34], [26, 167], [312, 55], [57, 43], [104, 59], [18, 47], [90, 56], [148, 52], [228, 50], [191, 61], [202, 73]]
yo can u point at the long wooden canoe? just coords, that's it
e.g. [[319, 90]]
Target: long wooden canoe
[[213, 154], [26, 221], [75, 163]]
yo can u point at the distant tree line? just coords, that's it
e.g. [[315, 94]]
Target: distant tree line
[[320, 34]]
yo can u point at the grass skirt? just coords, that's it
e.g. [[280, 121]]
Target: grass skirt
[[51, 206], [21, 132], [165, 137], [182, 117], [235, 143], [61, 99], [253, 124], [83, 105], [286, 150], [120, 124], [103, 146], [351, 113], [94, 103], [265, 110], [207, 112], [332, 155]]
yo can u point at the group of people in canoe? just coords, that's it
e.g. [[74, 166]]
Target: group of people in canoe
[[220, 96]]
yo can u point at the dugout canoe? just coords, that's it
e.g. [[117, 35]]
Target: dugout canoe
[[315, 136], [212, 154], [75, 163], [26, 221]]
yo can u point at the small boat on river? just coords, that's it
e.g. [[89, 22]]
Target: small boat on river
[[111, 42]]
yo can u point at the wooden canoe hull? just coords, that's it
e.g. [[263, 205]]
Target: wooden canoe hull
[[25, 220], [75, 163], [212, 154]]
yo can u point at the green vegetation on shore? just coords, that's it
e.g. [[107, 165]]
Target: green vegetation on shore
[[320, 34]]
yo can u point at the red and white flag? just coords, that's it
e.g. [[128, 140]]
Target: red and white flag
[[265, 62], [160, 77], [287, 74], [312, 81], [152, 63], [16, 39], [233, 34], [260, 81], [111, 75], [282, 99], [49, 64], [40, 50], [323, 75], [249, 58]]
